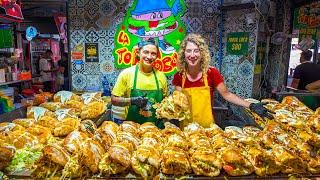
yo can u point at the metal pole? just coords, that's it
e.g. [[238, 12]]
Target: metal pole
[[221, 36], [69, 48]]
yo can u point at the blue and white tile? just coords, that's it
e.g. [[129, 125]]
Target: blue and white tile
[[92, 36], [79, 81], [77, 36], [103, 33], [107, 67], [107, 8], [92, 68], [93, 83], [77, 68], [245, 69], [92, 9]]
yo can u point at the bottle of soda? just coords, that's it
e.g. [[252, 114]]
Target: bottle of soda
[[105, 86]]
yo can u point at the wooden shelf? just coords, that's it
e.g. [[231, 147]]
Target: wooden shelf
[[13, 82]]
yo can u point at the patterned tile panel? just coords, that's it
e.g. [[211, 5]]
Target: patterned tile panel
[[97, 21]]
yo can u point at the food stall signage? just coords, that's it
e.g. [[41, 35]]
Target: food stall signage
[[91, 52], [11, 9], [31, 32], [158, 20], [260, 56], [307, 33], [238, 43], [307, 16], [77, 54], [307, 20]]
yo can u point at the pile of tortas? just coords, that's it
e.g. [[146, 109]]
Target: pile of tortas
[[288, 144]]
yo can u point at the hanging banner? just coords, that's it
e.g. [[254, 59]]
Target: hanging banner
[[307, 21], [260, 56], [159, 20], [91, 52], [61, 23], [307, 16], [238, 43], [10, 8], [31, 32]]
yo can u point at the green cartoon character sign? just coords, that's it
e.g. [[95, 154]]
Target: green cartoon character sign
[[158, 20]]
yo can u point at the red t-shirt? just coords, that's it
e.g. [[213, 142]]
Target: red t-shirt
[[214, 78]]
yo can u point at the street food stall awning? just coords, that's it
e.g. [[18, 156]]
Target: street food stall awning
[[10, 10]]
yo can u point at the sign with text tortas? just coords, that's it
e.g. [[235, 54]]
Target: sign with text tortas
[[159, 20], [91, 52], [238, 43]]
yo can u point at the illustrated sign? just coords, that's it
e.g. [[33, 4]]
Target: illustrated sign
[[307, 33], [307, 20], [158, 20], [238, 43], [91, 52], [260, 56], [61, 22], [77, 54], [31, 32], [307, 16], [11, 9]]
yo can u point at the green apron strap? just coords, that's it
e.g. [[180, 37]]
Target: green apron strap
[[155, 77], [136, 75], [135, 78]]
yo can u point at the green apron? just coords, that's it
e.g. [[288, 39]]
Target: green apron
[[153, 96]]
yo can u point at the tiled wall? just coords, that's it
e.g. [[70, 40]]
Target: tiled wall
[[96, 21], [280, 54]]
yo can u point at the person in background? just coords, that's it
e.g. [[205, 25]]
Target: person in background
[[305, 73], [314, 86], [198, 81], [140, 86], [46, 67], [64, 71]]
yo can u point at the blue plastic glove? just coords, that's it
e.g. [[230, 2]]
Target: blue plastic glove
[[140, 101], [259, 109]]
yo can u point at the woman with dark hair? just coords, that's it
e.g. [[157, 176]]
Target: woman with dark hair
[[140, 86]]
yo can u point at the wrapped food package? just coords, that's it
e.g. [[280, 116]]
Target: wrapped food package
[[236, 164], [42, 97], [52, 106], [145, 161], [92, 153], [175, 161], [25, 122], [205, 162], [175, 106], [52, 162], [73, 143], [6, 156], [65, 96], [92, 97], [36, 112], [117, 159], [93, 110]]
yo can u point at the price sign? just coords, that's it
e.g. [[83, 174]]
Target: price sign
[[238, 43]]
